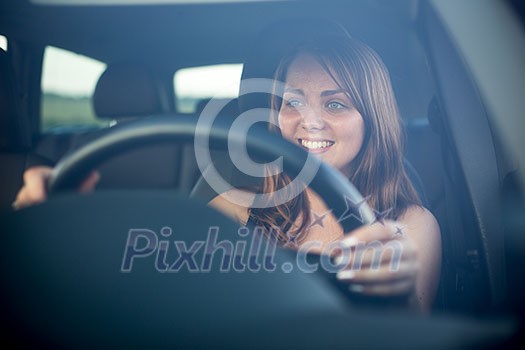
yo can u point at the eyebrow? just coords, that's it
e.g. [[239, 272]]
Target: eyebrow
[[332, 92], [294, 91], [323, 94]]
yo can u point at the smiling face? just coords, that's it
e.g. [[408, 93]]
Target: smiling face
[[319, 116]]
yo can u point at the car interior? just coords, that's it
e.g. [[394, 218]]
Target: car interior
[[457, 161]]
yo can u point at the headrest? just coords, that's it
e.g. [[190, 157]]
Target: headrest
[[128, 90], [14, 125], [229, 111], [271, 45]]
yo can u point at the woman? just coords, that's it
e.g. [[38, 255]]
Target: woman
[[338, 104]]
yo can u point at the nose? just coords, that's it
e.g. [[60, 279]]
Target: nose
[[312, 119]]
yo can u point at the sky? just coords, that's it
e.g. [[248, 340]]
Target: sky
[[212, 81], [65, 72]]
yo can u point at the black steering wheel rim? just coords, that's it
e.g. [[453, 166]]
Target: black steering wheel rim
[[340, 195]]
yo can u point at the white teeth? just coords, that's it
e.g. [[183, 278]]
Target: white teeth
[[316, 144]]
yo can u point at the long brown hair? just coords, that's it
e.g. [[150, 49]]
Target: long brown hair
[[377, 171]]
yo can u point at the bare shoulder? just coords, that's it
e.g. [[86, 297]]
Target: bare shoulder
[[416, 217], [234, 203], [422, 227]]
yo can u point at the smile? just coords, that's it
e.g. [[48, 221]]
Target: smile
[[316, 145]]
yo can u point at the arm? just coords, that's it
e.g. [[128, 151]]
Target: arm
[[395, 257], [35, 181], [234, 203], [421, 226]]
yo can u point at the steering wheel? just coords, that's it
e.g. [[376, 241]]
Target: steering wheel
[[64, 281], [340, 195]]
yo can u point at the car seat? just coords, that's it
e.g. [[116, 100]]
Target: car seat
[[127, 91]]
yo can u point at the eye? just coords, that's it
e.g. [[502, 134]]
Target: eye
[[334, 105], [293, 103]]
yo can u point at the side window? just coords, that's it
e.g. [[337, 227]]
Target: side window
[[68, 83], [3, 43], [195, 86]]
